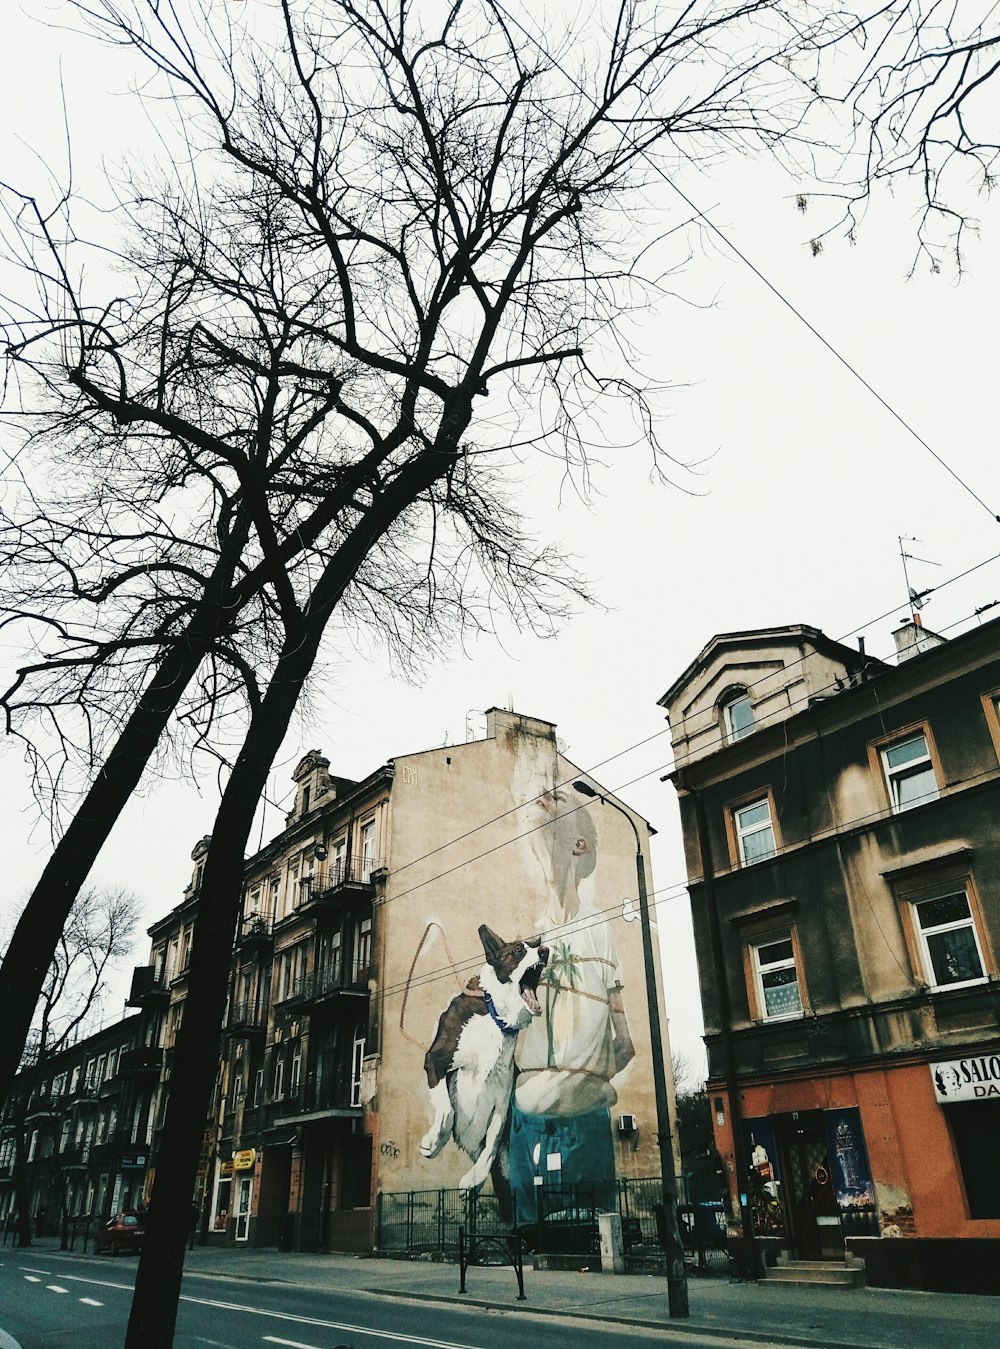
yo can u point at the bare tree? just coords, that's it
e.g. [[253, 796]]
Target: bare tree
[[364, 302], [100, 933]]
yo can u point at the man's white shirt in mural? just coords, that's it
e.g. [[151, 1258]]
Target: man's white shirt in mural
[[566, 1057]]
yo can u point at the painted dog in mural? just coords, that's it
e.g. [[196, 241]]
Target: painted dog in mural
[[470, 1065]]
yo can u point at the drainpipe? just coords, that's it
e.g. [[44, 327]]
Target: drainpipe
[[752, 1248]]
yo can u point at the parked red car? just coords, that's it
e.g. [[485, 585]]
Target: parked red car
[[125, 1232]]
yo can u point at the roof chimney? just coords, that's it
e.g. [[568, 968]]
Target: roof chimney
[[913, 639]]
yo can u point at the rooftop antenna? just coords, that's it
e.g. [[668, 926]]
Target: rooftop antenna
[[915, 599]]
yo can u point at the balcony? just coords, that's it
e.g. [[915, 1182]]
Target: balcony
[[338, 882], [146, 988], [247, 1018], [42, 1106], [327, 985], [334, 1093], [256, 934], [144, 1060]]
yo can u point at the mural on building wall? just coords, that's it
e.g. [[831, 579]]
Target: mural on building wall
[[545, 1121]]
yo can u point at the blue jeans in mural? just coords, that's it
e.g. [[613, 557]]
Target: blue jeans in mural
[[585, 1149]]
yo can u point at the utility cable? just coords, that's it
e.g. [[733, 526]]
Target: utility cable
[[662, 173]]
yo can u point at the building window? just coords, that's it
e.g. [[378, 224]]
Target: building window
[[776, 979], [367, 850], [948, 940], [296, 1073], [279, 1078], [362, 948], [357, 1064], [909, 772], [258, 1085], [737, 716], [754, 830]]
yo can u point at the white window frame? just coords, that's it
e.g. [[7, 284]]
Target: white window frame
[[357, 1064], [278, 1084], [923, 933], [295, 1073], [895, 776], [367, 850], [742, 834], [761, 968], [734, 732]]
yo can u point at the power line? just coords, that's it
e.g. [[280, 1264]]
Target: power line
[[662, 173]]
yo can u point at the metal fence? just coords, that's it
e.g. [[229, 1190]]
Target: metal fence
[[427, 1222]]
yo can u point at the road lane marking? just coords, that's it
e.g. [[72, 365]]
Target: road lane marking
[[394, 1335], [30, 1269], [56, 1288], [89, 1302], [30, 1278]]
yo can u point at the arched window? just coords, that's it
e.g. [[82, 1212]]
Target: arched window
[[737, 715]]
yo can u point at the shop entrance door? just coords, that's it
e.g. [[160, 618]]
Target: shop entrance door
[[243, 1208], [810, 1201]]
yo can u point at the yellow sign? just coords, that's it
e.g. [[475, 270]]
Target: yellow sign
[[243, 1161], [226, 1168]]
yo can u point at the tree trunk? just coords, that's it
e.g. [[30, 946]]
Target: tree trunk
[[195, 1067]]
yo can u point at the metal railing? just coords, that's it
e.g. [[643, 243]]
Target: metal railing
[[422, 1222]]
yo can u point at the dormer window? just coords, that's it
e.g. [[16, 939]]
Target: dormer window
[[737, 714]]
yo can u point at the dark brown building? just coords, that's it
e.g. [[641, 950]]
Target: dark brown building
[[840, 824]]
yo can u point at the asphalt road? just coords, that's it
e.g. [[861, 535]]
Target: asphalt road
[[79, 1303]]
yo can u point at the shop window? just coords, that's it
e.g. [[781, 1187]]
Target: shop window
[[975, 1128], [776, 978], [752, 831], [737, 716], [909, 769], [948, 941]]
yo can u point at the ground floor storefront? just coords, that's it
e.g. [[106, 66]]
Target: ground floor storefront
[[900, 1165]]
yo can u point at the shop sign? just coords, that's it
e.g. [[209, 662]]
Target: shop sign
[[226, 1168], [243, 1161], [972, 1079], [133, 1161]]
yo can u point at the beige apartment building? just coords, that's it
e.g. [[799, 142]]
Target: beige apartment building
[[361, 923]]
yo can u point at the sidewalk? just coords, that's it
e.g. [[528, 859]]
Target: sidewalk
[[816, 1317]]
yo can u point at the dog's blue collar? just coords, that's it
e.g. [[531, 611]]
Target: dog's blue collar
[[504, 1027]]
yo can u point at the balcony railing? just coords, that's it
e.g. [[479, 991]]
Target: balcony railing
[[245, 1018], [145, 985], [336, 878], [325, 983], [141, 1059], [256, 928]]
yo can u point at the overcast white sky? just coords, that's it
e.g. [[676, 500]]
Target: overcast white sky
[[806, 484]]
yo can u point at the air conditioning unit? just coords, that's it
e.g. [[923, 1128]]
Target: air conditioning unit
[[626, 1125]]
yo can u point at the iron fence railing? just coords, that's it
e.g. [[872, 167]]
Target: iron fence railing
[[427, 1222]]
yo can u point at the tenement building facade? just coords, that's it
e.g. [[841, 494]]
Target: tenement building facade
[[840, 823]]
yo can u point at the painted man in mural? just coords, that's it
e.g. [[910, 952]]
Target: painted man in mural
[[561, 1131]]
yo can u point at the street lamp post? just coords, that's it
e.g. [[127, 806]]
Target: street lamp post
[[677, 1288]]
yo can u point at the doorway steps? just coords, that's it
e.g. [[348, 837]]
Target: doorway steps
[[846, 1273]]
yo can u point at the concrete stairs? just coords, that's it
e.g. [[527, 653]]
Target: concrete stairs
[[846, 1273]]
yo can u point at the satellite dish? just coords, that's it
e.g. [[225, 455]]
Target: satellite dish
[[916, 599]]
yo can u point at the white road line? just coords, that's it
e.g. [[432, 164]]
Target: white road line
[[56, 1288], [30, 1278], [89, 1302], [394, 1335], [30, 1269]]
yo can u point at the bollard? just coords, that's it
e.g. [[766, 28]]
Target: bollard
[[612, 1247]]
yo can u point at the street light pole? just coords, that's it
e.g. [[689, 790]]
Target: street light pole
[[677, 1287]]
